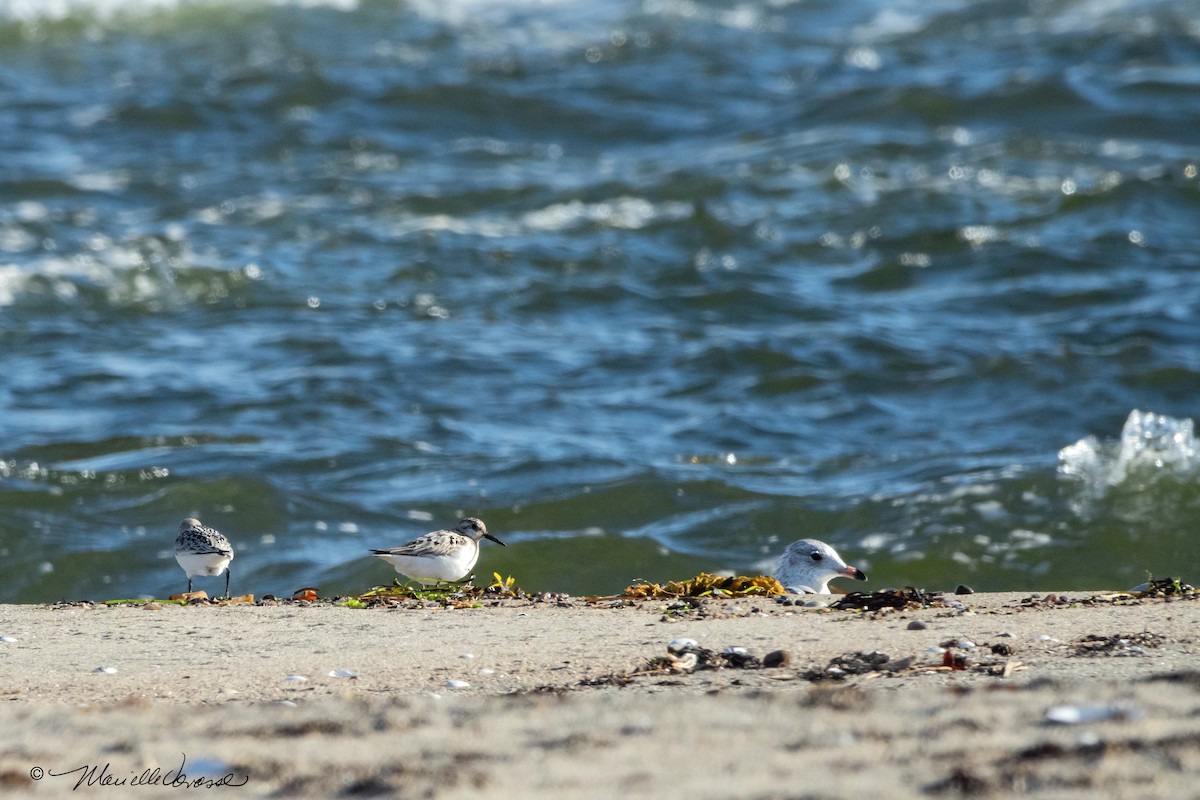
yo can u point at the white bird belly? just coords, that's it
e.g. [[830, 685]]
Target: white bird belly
[[451, 567], [203, 563]]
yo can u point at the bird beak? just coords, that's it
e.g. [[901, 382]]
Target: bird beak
[[497, 541], [853, 572]]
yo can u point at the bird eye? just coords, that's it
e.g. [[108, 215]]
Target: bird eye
[[817, 556]]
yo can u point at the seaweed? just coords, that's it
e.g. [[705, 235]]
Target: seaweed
[[906, 598], [703, 585], [448, 595]]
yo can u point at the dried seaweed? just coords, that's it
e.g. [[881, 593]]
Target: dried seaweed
[[703, 585], [1132, 644], [448, 595], [1168, 587], [906, 598]]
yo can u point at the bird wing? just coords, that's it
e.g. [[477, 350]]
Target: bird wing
[[431, 545], [204, 541]]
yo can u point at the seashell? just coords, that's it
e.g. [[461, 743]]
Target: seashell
[[296, 678], [678, 646], [452, 684], [106, 670], [342, 673], [1079, 715]]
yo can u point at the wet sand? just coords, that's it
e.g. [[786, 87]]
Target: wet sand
[[570, 699]]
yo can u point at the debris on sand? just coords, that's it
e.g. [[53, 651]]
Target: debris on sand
[[906, 598], [703, 585]]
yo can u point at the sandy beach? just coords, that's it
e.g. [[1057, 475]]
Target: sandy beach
[[1060, 695]]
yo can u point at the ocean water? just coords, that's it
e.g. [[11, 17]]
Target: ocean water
[[651, 287]]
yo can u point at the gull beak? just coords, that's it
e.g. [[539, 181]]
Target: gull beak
[[853, 572], [502, 544]]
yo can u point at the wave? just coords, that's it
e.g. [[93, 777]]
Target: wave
[[1152, 447]]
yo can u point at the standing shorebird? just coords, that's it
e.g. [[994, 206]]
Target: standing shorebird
[[441, 555], [202, 550], [807, 567]]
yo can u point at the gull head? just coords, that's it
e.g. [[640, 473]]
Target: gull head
[[807, 567]]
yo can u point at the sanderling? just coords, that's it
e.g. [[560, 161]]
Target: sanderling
[[202, 550], [807, 567], [441, 555]]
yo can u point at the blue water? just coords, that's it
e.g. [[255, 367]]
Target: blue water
[[650, 287]]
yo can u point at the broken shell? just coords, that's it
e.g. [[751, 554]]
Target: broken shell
[[453, 684], [735, 651], [685, 663], [342, 673], [7, 639], [296, 678], [106, 670]]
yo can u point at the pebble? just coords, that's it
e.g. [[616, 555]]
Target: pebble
[[777, 658], [106, 670], [296, 678], [678, 646], [453, 684], [962, 588], [7, 639], [917, 625]]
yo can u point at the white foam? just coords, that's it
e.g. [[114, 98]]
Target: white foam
[[1151, 445], [105, 10]]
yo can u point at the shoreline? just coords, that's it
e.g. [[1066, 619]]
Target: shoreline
[[578, 700]]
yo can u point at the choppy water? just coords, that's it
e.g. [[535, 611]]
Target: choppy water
[[651, 287]]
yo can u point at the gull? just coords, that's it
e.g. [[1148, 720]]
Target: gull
[[807, 567], [440, 555], [202, 550]]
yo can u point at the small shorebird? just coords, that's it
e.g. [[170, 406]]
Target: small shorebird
[[441, 555], [202, 550], [807, 567]]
